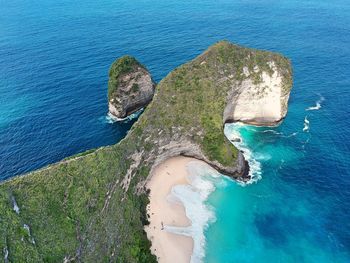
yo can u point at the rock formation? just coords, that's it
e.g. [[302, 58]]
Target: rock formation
[[130, 87], [261, 96]]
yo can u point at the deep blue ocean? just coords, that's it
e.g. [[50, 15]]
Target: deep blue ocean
[[54, 61]]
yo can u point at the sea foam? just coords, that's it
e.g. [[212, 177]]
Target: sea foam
[[112, 119], [232, 132], [318, 104], [281, 134], [306, 125], [202, 180]]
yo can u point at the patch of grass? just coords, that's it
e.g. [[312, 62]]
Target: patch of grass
[[135, 87], [215, 145], [119, 68]]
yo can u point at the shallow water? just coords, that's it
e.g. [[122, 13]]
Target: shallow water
[[193, 197], [54, 59], [289, 215]]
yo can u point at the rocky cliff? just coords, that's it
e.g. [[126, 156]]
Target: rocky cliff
[[130, 87], [261, 96], [92, 207]]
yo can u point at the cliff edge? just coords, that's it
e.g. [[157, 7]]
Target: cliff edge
[[261, 96], [130, 87]]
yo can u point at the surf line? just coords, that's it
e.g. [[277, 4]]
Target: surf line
[[232, 132], [112, 119]]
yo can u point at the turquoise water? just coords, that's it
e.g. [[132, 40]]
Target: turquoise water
[[54, 59], [283, 217]]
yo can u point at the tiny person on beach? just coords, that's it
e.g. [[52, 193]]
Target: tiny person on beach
[[162, 228]]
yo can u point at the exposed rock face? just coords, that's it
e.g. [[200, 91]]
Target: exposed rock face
[[262, 101], [130, 87]]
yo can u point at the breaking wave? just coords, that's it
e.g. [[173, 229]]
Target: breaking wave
[[112, 119], [202, 180], [232, 132]]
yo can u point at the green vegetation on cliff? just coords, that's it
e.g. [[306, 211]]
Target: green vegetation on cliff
[[74, 210], [120, 67], [92, 208]]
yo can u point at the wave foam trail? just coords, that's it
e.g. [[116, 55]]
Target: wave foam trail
[[291, 135], [277, 133], [306, 125], [272, 131], [233, 134], [318, 104], [193, 196]]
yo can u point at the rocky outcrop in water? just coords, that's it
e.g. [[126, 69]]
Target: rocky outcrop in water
[[130, 87]]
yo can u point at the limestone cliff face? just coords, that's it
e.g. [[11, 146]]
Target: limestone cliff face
[[261, 96], [130, 87]]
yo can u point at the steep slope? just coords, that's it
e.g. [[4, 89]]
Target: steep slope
[[91, 208], [130, 87]]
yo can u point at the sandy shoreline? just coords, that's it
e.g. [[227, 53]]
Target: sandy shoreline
[[168, 247]]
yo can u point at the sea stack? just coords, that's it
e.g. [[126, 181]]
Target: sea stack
[[130, 87]]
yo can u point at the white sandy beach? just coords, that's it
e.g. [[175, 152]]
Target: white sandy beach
[[168, 247]]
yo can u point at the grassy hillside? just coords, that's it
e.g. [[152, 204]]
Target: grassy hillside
[[120, 67], [91, 208]]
